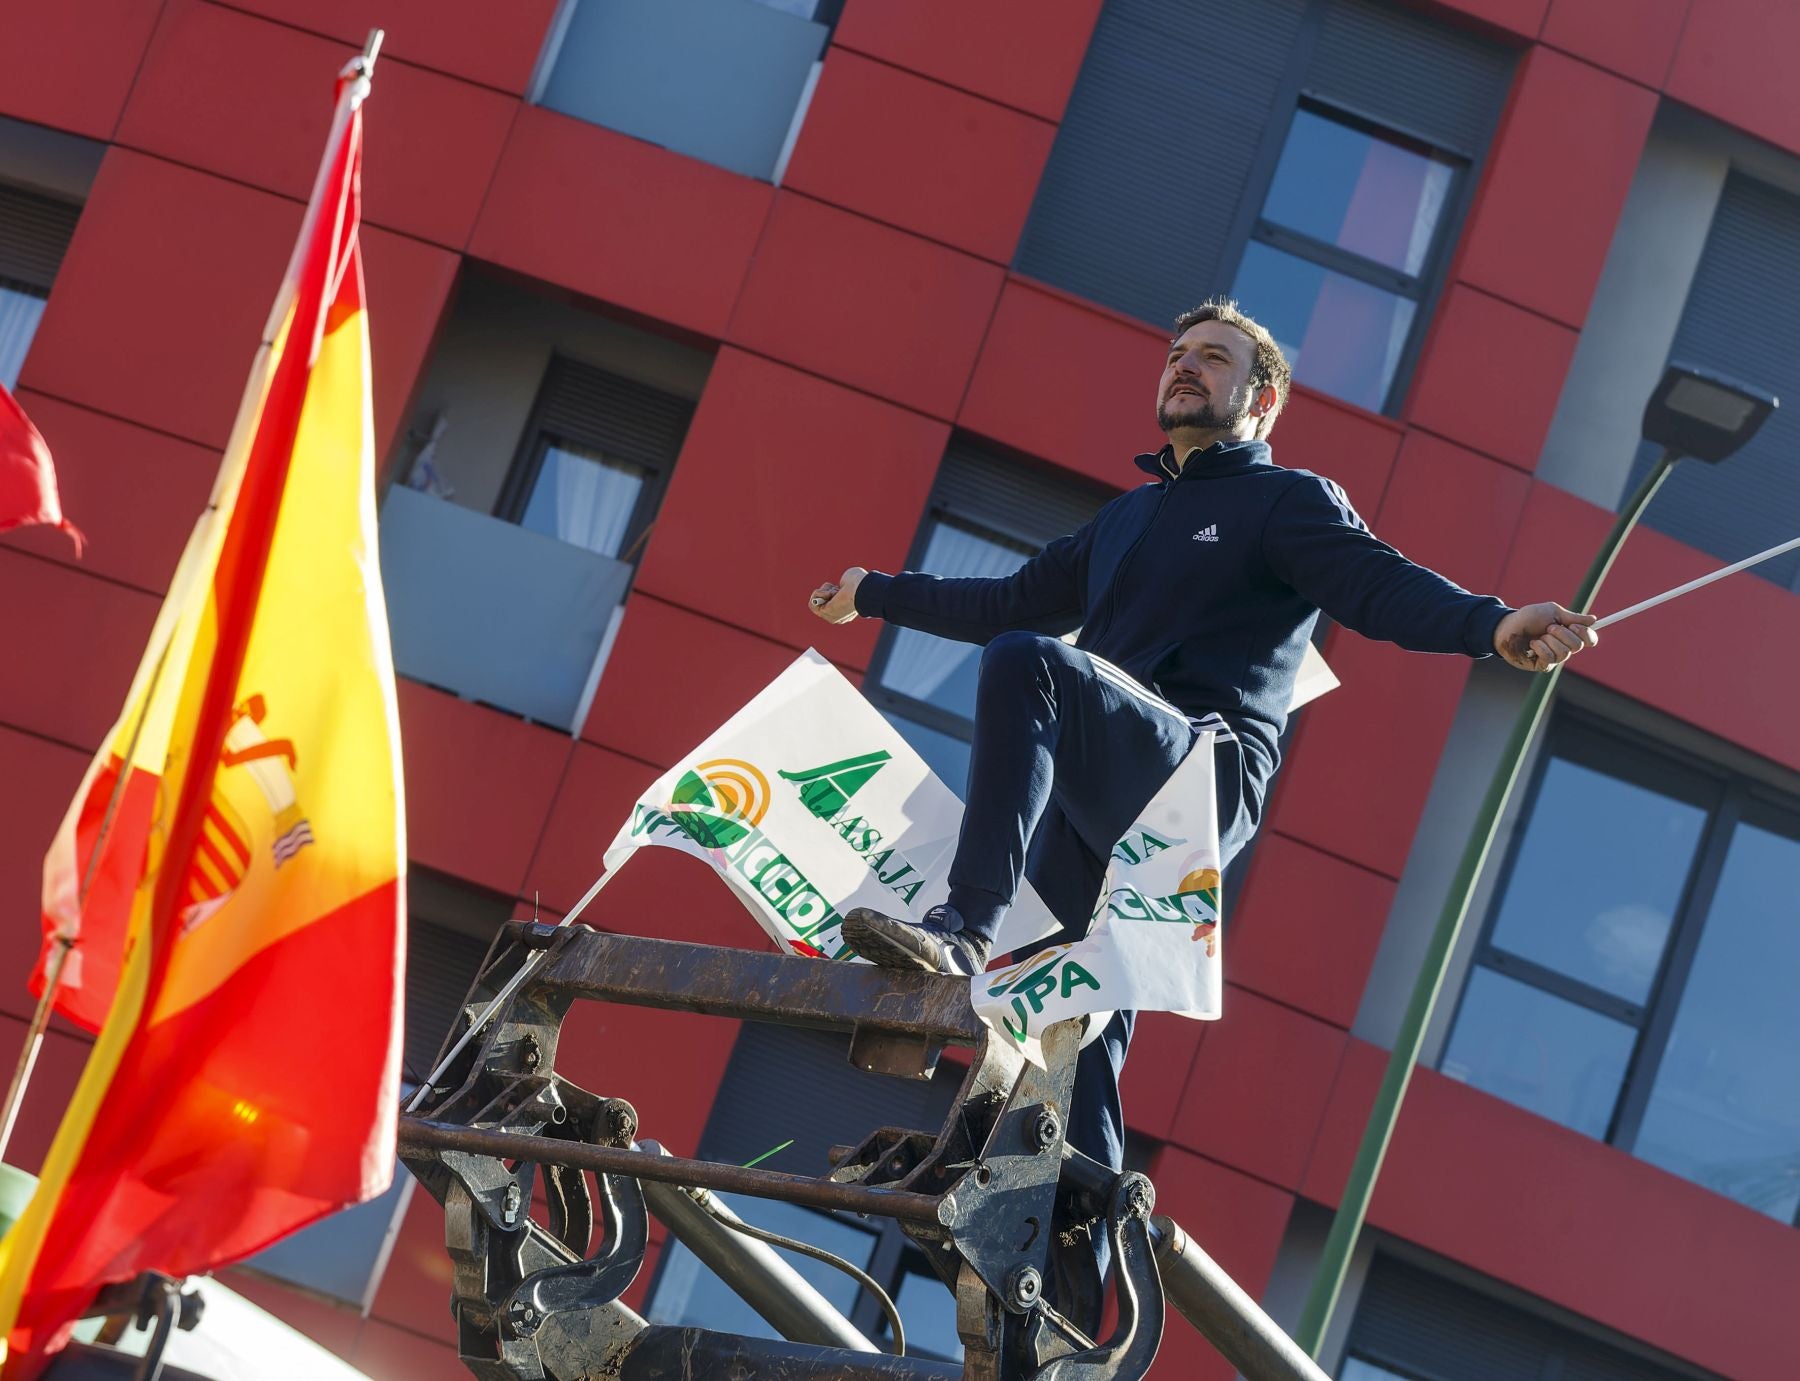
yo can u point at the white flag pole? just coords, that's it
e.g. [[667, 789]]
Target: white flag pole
[[1693, 585]]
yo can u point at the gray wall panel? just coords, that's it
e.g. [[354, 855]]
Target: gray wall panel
[[1743, 319]]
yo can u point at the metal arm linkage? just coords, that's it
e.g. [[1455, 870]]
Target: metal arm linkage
[[994, 1199]]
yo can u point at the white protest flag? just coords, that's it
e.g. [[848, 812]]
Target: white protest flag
[[1154, 943], [808, 803]]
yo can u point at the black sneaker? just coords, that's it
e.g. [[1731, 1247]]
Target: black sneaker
[[938, 944]]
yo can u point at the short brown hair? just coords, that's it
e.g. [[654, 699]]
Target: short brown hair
[[1269, 368]]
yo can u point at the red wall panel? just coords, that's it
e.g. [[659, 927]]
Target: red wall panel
[[674, 677], [478, 786], [1736, 61], [1307, 928], [40, 780], [1555, 183], [409, 285], [134, 493], [919, 155], [621, 220], [667, 1065], [386, 1353], [1236, 1220], [1364, 756], [156, 314], [70, 64], [415, 1290], [162, 298], [1164, 1047], [262, 111], [1559, 535], [1255, 1096], [784, 481], [1640, 47], [1354, 447], [1023, 52], [82, 638], [1453, 510], [46, 1097], [865, 304], [1072, 383], [484, 42], [1569, 1219], [1491, 376], [592, 803]]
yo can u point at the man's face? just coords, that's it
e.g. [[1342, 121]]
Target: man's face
[[1206, 379]]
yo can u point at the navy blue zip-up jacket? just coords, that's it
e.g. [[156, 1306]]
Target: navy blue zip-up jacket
[[1205, 586]]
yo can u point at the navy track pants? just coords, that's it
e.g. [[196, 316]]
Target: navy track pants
[[1068, 749]]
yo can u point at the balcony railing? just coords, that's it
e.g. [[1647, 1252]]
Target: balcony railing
[[493, 612]]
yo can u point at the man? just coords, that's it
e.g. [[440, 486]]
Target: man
[[1196, 595]]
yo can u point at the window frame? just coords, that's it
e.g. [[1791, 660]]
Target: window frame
[[538, 437], [1729, 798], [1426, 288]]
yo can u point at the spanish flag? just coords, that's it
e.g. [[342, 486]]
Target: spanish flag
[[231, 873]]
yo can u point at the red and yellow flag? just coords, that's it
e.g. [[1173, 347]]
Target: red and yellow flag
[[232, 870]]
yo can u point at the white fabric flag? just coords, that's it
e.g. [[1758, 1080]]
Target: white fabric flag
[[1154, 943], [808, 803]]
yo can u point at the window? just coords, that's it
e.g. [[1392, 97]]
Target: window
[[986, 518], [1643, 999], [1413, 1324], [726, 81], [797, 1087], [530, 478], [34, 233], [1338, 263], [595, 457], [1742, 318], [1323, 185]]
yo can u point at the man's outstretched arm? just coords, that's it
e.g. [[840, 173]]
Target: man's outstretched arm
[[1319, 545], [1043, 595]]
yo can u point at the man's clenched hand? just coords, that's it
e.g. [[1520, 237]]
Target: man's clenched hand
[[1541, 636], [836, 603]]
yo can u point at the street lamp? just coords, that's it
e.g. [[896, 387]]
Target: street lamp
[[1692, 412]]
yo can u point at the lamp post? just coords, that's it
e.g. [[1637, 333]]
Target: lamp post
[[1691, 412]]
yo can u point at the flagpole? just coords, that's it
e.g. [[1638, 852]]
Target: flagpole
[[1696, 584]]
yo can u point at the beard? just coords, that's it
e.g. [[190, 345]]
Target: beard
[[1209, 416]]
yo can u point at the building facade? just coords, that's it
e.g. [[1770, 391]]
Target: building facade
[[680, 308]]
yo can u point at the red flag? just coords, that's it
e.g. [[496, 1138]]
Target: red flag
[[27, 479]]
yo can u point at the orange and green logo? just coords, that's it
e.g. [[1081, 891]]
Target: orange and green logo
[[717, 803]]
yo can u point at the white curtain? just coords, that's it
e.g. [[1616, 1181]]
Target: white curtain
[[594, 499], [920, 664], [19, 316]]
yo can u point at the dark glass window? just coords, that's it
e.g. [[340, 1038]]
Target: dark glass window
[[1339, 260], [1642, 996], [1413, 1324], [1322, 185], [986, 518], [1723, 1109]]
